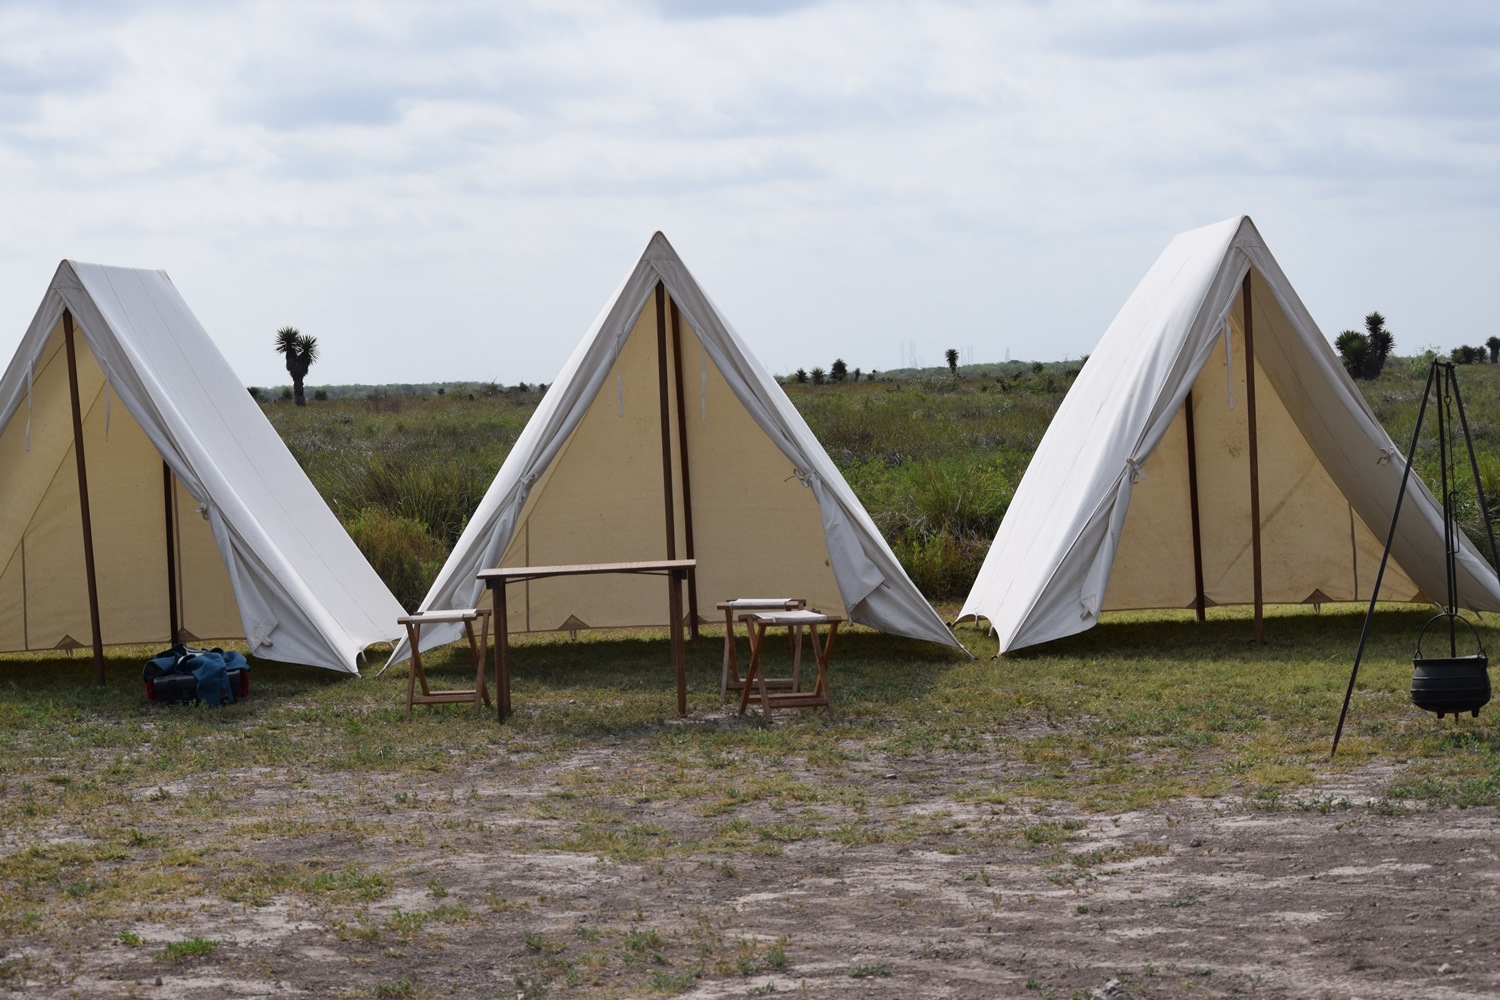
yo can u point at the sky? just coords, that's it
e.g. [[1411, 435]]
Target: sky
[[453, 190]]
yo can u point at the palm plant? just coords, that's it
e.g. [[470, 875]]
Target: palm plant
[[1494, 345], [1381, 341], [951, 354], [300, 352], [1354, 351]]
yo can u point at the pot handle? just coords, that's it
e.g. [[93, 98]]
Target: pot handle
[[1449, 614]]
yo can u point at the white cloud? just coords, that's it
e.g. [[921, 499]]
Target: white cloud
[[843, 176]]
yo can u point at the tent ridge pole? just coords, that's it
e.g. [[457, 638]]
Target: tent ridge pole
[[687, 491], [1254, 462], [83, 498], [1199, 599], [168, 499]]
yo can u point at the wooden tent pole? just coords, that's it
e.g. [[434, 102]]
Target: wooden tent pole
[[687, 492], [168, 498], [83, 499], [666, 419], [1254, 461], [1199, 600], [674, 586]]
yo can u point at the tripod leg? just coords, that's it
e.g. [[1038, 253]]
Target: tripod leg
[[1489, 528], [1364, 632]]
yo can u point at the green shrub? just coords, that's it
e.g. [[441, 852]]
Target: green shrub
[[401, 551], [437, 492], [939, 516], [941, 565]]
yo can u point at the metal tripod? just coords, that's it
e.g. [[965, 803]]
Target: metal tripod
[[1442, 379]]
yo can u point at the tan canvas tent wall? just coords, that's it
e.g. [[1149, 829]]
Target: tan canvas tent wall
[[202, 524], [753, 496], [1158, 426]]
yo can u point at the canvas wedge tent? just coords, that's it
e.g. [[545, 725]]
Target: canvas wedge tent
[[147, 498], [1213, 451], [663, 437]]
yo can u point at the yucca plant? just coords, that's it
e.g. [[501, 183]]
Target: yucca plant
[[300, 352]]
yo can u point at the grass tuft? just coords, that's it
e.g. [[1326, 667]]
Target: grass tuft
[[177, 952]]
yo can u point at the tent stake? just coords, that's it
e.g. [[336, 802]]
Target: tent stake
[[83, 499], [1199, 600], [168, 499], [1254, 463], [687, 492]]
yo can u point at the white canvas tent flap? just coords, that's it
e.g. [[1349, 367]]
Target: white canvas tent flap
[[1101, 519], [584, 482], [256, 553]]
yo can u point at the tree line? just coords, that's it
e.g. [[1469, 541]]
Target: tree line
[[839, 371], [836, 372]]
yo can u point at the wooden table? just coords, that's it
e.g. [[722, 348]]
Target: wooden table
[[820, 696], [468, 616], [675, 570]]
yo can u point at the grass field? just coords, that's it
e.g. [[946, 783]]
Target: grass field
[[207, 848], [934, 459], [143, 841]]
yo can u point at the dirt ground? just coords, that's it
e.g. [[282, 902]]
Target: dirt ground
[[1332, 894]]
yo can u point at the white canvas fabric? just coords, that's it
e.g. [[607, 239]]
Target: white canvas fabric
[[1102, 520], [258, 555], [584, 484]]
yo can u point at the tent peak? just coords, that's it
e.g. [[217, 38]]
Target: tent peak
[[659, 248], [1246, 235]]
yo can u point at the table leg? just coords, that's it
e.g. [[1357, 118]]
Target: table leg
[[690, 577], [825, 654], [484, 655], [731, 658], [796, 643], [753, 667], [679, 649], [502, 650], [760, 677], [413, 634], [473, 656]]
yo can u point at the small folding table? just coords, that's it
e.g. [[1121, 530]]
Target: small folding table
[[820, 695]]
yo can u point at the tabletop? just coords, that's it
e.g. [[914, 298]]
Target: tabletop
[[507, 573]]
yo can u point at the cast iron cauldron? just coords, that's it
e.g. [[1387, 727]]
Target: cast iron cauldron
[[1454, 684]]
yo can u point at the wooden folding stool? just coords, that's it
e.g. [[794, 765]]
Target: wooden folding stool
[[821, 695], [480, 693], [743, 607]]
